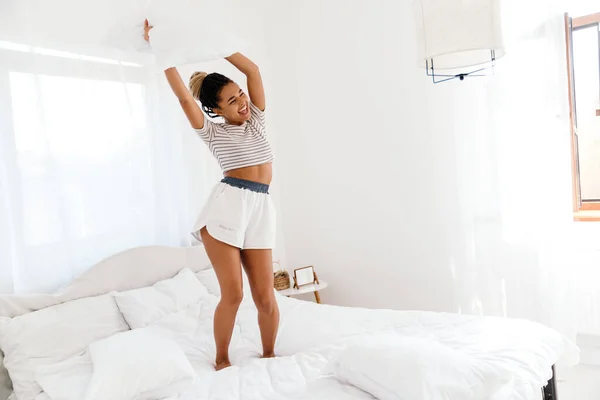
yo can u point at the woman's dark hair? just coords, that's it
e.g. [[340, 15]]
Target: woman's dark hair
[[207, 88]]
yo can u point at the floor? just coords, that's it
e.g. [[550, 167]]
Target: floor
[[582, 384]]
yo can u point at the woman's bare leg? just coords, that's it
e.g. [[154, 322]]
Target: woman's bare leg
[[259, 268], [227, 264]]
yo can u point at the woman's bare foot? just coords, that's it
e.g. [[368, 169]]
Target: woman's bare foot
[[222, 364], [268, 355]]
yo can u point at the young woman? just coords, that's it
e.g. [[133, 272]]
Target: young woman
[[237, 225]]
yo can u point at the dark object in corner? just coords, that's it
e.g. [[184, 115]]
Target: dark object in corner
[[549, 390]]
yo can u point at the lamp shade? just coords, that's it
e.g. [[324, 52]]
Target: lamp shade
[[458, 33]]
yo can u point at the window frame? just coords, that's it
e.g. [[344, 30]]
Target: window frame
[[589, 210]]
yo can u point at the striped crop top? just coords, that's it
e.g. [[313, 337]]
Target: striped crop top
[[238, 146]]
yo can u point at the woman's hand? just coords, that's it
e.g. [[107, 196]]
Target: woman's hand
[[188, 104], [147, 28]]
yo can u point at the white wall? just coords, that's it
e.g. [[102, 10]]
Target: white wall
[[585, 268], [367, 196], [368, 166], [368, 152]]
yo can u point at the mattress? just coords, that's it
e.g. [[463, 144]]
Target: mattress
[[312, 335]]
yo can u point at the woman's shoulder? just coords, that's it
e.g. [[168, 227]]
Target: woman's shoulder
[[227, 129], [219, 125]]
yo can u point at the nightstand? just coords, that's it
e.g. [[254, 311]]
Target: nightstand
[[314, 288]]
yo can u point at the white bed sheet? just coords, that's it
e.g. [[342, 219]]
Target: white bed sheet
[[310, 335]]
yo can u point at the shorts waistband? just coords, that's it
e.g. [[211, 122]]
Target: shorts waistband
[[244, 184]]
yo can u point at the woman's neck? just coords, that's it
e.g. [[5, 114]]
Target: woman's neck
[[234, 123]]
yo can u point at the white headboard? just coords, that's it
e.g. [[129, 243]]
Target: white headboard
[[130, 269]]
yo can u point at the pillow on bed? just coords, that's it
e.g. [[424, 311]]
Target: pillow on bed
[[138, 364], [66, 380], [54, 334], [416, 369], [179, 29], [141, 307]]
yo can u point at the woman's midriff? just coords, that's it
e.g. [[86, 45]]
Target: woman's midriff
[[257, 173]]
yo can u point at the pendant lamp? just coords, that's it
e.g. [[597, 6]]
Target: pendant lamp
[[458, 38]]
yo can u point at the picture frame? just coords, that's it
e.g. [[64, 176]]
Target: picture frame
[[305, 276]]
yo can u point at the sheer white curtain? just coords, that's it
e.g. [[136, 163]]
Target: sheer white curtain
[[517, 254], [91, 153]]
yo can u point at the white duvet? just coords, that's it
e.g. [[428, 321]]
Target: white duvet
[[324, 352], [314, 341]]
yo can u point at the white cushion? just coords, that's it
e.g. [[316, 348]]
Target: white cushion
[[416, 369], [141, 307], [127, 31], [209, 279], [185, 31], [54, 334], [138, 364], [66, 380], [135, 364]]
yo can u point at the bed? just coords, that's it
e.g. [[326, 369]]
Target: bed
[[139, 325]]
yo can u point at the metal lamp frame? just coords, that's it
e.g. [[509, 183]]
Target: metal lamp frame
[[430, 68]]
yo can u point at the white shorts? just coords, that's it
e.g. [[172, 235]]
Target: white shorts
[[242, 218]]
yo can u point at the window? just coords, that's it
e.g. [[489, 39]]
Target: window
[[74, 139], [80, 164], [583, 63]]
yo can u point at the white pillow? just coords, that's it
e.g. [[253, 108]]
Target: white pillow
[[54, 334], [127, 30], [416, 369], [125, 368], [66, 380], [208, 278], [141, 307], [138, 364], [185, 31]]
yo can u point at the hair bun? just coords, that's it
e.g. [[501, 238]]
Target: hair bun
[[195, 84]]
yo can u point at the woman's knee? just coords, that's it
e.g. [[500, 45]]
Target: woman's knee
[[232, 296], [265, 302]]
